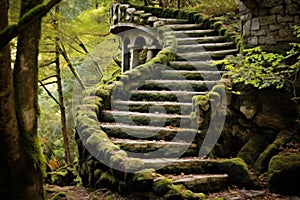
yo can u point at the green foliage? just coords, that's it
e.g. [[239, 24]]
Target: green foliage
[[259, 68], [215, 7]]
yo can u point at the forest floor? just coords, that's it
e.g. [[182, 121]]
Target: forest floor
[[80, 193]]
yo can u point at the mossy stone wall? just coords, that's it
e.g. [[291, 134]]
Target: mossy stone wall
[[269, 23]]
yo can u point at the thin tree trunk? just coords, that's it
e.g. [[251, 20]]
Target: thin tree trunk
[[30, 185], [61, 98]]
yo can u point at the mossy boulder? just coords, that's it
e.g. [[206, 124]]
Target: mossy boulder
[[261, 164], [253, 148], [284, 174], [142, 180], [237, 170]]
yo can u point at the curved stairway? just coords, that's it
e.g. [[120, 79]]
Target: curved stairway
[[154, 124]]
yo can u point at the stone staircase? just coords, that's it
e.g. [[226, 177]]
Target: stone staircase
[[154, 123]]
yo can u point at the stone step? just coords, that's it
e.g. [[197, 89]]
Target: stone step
[[207, 65], [150, 132], [192, 33], [173, 21], [153, 106], [199, 40], [207, 55], [177, 165], [205, 46], [202, 183], [192, 75], [175, 85], [183, 26], [151, 119], [154, 149], [156, 95]]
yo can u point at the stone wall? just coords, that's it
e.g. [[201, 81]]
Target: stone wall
[[269, 23]]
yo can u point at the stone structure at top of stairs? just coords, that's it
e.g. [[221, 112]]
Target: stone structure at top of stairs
[[269, 23]]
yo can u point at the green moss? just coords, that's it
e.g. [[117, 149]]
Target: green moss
[[202, 101], [261, 164], [253, 148], [238, 172], [161, 186], [142, 180], [174, 193], [284, 174]]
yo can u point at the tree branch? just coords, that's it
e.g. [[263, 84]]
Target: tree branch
[[27, 19], [47, 64], [49, 93], [53, 76], [73, 70]]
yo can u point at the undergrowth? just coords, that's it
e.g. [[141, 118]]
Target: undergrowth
[[261, 69]]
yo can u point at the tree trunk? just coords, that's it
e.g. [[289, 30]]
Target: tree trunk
[[32, 163], [61, 97], [9, 134]]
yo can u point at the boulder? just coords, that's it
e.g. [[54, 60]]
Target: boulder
[[284, 174]]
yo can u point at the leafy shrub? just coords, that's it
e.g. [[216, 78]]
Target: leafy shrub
[[262, 69]]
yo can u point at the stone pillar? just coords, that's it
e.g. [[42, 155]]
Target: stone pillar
[[134, 57], [125, 61], [150, 52]]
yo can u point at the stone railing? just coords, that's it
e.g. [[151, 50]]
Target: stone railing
[[124, 13]]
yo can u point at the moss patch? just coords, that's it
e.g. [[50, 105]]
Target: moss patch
[[284, 174], [252, 149]]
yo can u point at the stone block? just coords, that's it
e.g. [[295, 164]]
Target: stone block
[[293, 9], [274, 27], [247, 28], [267, 20], [267, 40], [253, 41], [277, 10], [264, 12], [285, 32], [245, 17], [259, 32], [255, 25], [284, 18], [297, 19], [270, 3]]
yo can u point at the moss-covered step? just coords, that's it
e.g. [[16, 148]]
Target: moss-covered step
[[149, 132], [192, 74], [173, 21], [206, 55], [155, 149], [183, 26], [193, 33], [164, 95], [236, 168], [152, 119], [207, 65], [199, 40], [205, 46], [153, 106], [179, 85], [202, 183]]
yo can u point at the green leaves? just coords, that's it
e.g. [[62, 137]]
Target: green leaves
[[259, 68]]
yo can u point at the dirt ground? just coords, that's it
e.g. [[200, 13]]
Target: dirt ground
[[80, 193]]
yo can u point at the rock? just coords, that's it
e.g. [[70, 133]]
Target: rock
[[248, 110], [284, 174], [261, 164], [251, 150]]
